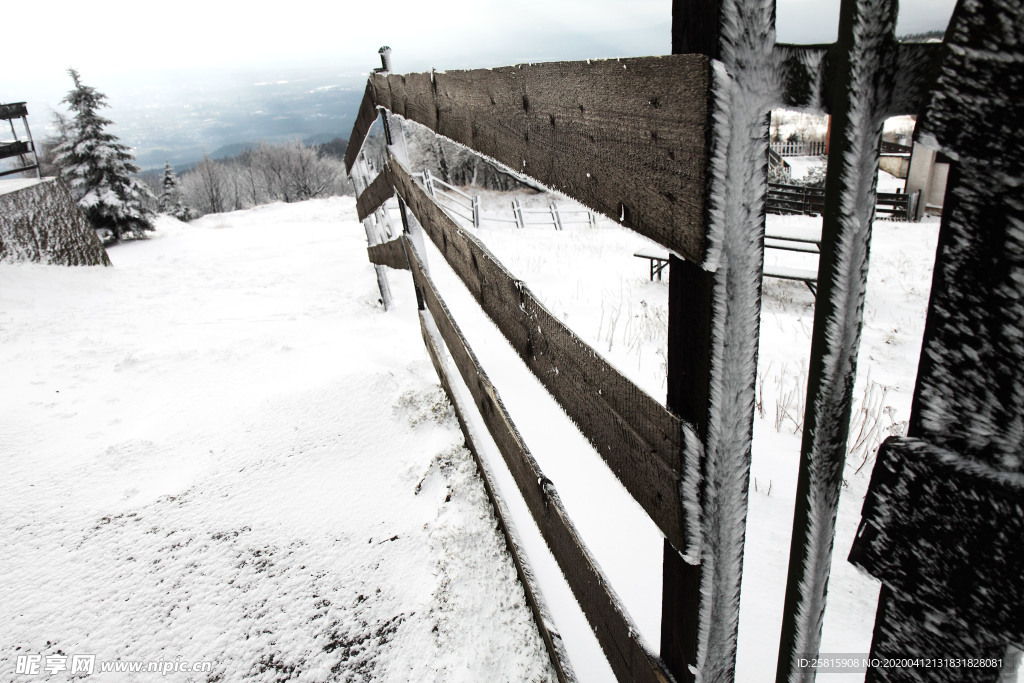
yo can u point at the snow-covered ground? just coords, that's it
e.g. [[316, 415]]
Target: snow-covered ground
[[222, 450]]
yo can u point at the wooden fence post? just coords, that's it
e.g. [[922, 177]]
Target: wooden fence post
[[712, 347], [864, 56], [360, 179], [476, 211], [428, 182], [517, 213], [554, 216], [381, 215], [944, 516]]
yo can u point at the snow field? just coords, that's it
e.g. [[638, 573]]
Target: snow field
[[222, 450]]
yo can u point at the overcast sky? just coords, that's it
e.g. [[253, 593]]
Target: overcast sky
[[108, 40]]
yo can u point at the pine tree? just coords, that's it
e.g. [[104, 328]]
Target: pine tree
[[99, 167], [170, 198]]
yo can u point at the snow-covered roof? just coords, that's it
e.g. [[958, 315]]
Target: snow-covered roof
[[15, 184]]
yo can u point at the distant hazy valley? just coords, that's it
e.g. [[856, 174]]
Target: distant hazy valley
[[179, 116]]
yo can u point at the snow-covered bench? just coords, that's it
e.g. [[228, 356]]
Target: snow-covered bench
[[657, 257], [781, 240]]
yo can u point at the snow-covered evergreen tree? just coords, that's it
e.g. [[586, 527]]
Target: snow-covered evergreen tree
[[99, 167], [170, 197]]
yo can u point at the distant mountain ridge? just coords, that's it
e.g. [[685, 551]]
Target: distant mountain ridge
[[330, 145], [223, 116]]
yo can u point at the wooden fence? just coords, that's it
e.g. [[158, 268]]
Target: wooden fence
[[674, 147], [788, 199], [466, 206]]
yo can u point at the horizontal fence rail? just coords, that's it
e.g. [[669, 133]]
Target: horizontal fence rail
[[799, 199], [800, 149], [374, 196], [636, 436], [618, 637], [545, 624], [545, 120]]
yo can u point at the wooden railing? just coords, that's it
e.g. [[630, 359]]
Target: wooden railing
[[674, 148], [815, 148], [798, 199], [466, 206]]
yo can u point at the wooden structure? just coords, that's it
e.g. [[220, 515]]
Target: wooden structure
[[675, 148], [18, 148], [799, 199], [780, 241], [815, 148]]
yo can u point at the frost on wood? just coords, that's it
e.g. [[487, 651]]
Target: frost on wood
[[372, 226], [860, 92], [746, 83], [42, 223], [942, 520], [974, 324], [923, 497]]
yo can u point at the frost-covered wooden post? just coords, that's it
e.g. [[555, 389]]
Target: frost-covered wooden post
[[714, 318], [943, 522], [858, 89]]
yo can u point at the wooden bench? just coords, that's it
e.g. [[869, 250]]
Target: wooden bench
[[658, 259], [780, 240]]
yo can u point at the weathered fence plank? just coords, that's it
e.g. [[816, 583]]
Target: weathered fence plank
[[364, 120], [923, 496], [13, 110], [390, 254], [637, 437], [625, 137], [618, 637], [14, 149], [374, 196]]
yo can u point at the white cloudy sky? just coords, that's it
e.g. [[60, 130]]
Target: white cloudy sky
[[111, 36], [136, 51]]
